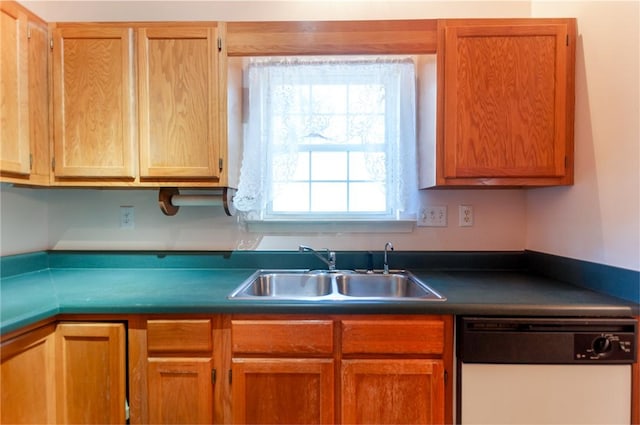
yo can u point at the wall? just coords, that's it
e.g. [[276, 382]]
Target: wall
[[23, 220], [89, 219], [597, 219], [259, 10]]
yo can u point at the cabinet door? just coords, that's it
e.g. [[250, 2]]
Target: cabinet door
[[282, 391], [28, 378], [392, 391], [178, 103], [93, 102], [14, 89], [508, 102], [91, 373], [39, 103], [180, 390]]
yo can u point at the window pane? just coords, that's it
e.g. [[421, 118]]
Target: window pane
[[326, 124], [328, 166], [336, 129], [367, 166], [366, 129], [329, 99], [290, 197], [302, 168], [285, 165], [366, 98], [329, 197], [367, 197]]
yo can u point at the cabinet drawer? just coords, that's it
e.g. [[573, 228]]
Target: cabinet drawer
[[179, 335], [282, 336], [392, 336]]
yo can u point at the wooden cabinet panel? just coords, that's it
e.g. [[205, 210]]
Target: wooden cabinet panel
[[506, 103], [24, 88], [180, 390], [93, 102], [283, 391], [39, 103], [91, 373], [178, 102], [282, 336], [14, 89], [179, 336], [331, 37], [395, 336], [179, 361], [392, 391], [27, 380]]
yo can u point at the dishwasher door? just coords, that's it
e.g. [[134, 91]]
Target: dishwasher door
[[545, 394], [544, 371]]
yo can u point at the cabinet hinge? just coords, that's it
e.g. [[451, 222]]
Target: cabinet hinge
[[219, 44], [446, 376], [53, 164], [230, 376], [30, 161], [567, 39], [220, 163], [51, 43], [29, 32], [213, 376]]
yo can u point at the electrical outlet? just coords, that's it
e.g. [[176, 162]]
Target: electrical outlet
[[433, 216], [127, 217], [466, 216]]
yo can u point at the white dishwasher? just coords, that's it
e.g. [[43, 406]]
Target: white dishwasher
[[544, 371]]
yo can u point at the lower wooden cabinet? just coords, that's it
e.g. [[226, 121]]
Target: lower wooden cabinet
[[282, 391], [392, 391], [27, 379], [180, 372], [353, 369], [243, 369], [180, 390], [66, 373], [91, 373]]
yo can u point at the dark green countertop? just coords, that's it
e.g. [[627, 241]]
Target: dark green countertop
[[33, 296]]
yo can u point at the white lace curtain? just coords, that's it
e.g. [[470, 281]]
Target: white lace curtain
[[280, 118]]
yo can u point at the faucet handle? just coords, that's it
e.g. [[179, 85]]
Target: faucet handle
[[332, 259]]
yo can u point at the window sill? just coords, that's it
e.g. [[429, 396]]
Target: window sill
[[334, 226]]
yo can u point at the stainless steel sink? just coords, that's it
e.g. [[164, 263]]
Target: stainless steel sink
[[392, 285], [334, 286], [285, 285]]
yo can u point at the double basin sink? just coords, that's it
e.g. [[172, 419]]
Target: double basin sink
[[323, 285]]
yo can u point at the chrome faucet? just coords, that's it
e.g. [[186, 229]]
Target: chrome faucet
[[387, 246], [330, 261]]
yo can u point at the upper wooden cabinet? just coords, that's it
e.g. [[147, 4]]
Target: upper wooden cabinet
[[157, 126], [14, 107], [24, 109], [178, 102], [505, 102], [93, 105]]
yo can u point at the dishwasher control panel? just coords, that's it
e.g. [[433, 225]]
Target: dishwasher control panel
[[604, 346], [538, 340]]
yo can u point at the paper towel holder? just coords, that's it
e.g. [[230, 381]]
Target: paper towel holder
[[170, 200]]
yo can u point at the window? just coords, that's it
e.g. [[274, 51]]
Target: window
[[329, 138]]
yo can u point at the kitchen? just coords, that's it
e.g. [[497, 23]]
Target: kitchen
[[595, 220]]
